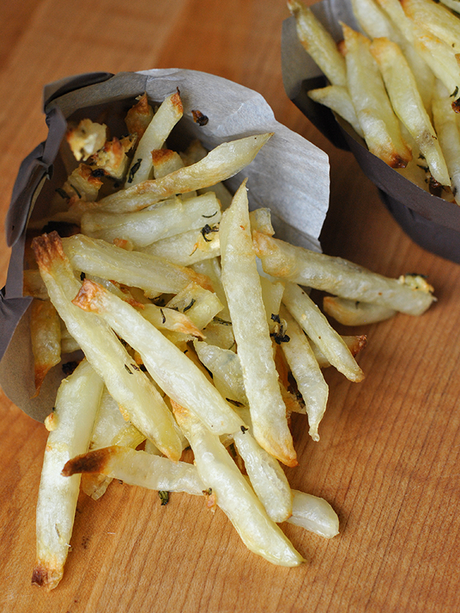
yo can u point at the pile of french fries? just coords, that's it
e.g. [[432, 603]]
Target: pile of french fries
[[189, 325], [397, 83]]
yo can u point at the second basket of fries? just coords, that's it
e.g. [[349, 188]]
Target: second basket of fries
[[157, 300], [381, 78]]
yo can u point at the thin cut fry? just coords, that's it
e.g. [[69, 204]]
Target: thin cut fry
[[410, 294], [220, 164], [241, 282], [76, 406]]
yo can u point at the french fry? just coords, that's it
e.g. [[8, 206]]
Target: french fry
[[234, 496], [408, 105], [306, 372], [337, 98], [370, 100], [137, 468], [201, 305], [266, 475], [139, 116], [189, 247], [355, 313], [72, 421], [354, 343], [446, 126], [410, 294], [225, 367], [241, 282], [45, 332], [435, 18], [317, 328], [314, 514], [318, 43], [173, 372], [145, 227], [136, 395], [154, 137], [220, 164], [152, 274]]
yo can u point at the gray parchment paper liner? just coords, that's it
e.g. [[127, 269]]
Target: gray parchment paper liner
[[430, 221], [289, 175]]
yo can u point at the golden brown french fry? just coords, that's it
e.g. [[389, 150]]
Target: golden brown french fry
[[380, 126], [408, 105], [318, 43]]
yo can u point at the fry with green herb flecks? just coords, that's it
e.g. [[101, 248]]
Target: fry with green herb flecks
[[220, 164], [171, 369], [234, 496], [70, 427], [242, 286], [137, 397], [410, 294], [154, 137]]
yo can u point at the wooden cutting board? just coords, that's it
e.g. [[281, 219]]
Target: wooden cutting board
[[388, 459]]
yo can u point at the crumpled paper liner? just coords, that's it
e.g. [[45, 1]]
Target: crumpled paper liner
[[430, 221], [289, 175]]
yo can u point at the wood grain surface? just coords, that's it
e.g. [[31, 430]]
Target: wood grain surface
[[389, 456]]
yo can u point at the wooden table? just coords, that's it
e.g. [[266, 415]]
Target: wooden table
[[389, 456]]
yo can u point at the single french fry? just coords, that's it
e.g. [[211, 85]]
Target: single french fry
[[137, 468], [306, 372], [318, 329], [152, 274], [355, 313], [337, 98], [314, 514], [71, 424], [266, 475], [318, 43], [220, 164], [143, 228], [189, 247], [241, 282], [410, 294], [139, 116], [154, 137]]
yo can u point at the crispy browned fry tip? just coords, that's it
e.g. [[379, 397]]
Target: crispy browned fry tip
[[139, 116], [45, 577], [87, 294], [160, 156], [92, 462], [47, 248], [358, 344], [177, 102]]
